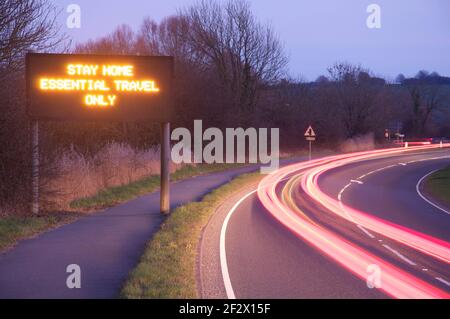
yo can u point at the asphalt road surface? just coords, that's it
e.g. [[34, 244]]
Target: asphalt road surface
[[348, 227]]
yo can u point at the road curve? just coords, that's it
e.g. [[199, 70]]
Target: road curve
[[323, 229]]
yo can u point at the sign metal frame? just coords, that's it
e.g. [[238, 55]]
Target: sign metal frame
[[155, 74]]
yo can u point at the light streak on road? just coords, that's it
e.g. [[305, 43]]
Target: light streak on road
[[396, 282]]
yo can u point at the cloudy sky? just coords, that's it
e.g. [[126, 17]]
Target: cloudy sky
[[414, 34]]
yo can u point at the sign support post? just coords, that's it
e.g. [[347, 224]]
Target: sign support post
[[310, 149], [165, 167], [35, 166], [310, 136]]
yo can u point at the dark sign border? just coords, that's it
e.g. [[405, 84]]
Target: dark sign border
[[67, 106]]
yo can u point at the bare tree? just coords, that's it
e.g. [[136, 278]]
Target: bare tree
[[166, 38], [25, 25], [356, 94], [426, 99], [244, 53], [120, 41]]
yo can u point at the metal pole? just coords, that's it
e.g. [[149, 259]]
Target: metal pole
[[310, 142], [35, 166], [165, 162]]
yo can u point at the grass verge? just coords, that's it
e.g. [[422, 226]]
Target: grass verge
[[14, 228], [167, 269], [118, 194], [115, 195], [437, 185]]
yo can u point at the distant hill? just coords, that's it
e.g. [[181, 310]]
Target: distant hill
[[427, 80]]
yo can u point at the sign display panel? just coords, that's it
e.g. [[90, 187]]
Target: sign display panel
[[99, 87]]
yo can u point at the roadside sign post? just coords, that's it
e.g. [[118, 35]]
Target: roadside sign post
[[165, 168], [35, 167], [112, 88], [310, 136], [310, 149]]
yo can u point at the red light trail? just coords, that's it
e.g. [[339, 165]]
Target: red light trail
[[396, 282]]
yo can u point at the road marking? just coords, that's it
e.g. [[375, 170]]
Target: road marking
[[223, 258], [395, 252], [345, 211], [223, 255], [418, 191], [368, 233], [442, 280], [423, 196], [365, 231], [222, 249]]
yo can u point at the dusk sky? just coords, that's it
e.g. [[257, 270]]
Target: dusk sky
[[414, 34]]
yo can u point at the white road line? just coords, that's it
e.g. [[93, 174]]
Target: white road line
[[223, 256], [395, 252], [223, 253], [426, 199], [365, 231], [222, 249], [398, 254], [442, 280], [350, 216]]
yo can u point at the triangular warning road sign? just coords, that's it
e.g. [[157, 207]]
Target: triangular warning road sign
[[310, 132]]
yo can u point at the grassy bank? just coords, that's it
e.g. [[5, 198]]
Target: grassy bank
[[14, 228], [437, 185], [114, 195], [167, 267], [111, 196]]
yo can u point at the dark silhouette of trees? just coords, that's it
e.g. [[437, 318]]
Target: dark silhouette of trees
[[428, 96], [242, 52], [355, 94], [400, 79], [24, 25]]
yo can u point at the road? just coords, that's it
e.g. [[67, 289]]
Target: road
[[335, 226]]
